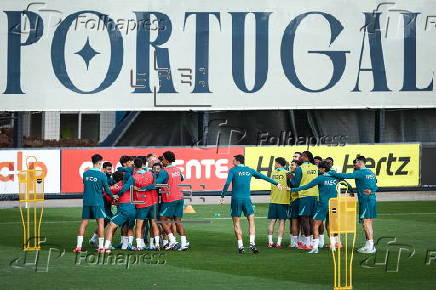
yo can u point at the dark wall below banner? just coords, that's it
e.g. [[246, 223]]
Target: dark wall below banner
[[428, 162], [278, 127]]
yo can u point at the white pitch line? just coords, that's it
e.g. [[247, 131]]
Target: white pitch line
[[387, 214], [49, 222], [225, 218]]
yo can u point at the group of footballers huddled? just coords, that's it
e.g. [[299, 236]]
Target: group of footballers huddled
[[300, 193], [149, 202], [148, 199]]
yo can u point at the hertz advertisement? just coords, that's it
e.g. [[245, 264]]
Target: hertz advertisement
[[394, 165]]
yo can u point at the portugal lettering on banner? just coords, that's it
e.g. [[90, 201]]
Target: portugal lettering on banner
[[203, 168], [216, 55], [394, 165]]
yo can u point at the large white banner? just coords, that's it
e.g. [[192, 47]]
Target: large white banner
[[12, 161], [212, 55]]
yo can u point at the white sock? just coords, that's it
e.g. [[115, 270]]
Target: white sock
[[100, 243], [79, 241], [252, 239], [139, 242], [315, 243], [321, 241], [130, 240], [156, 240], [301, 239], [125, 243], [370, 244], [152, 242], [94, 237], [332, 240], [172, 238], [311, 240], [270, 241], [122, 239], [107, 244], [183, 241], [279, 241], [240, 244], [307, 241], [164, 243], [294, 240]]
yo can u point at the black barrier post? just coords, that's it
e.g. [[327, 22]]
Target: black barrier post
[[379, 125], [18, 130]]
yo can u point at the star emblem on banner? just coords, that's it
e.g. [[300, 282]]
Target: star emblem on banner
[[87, 53]]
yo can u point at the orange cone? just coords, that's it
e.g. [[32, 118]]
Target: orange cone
[[189, 209]]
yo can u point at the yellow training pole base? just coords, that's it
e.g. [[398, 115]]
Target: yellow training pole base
[[343, 288], [32, 249]]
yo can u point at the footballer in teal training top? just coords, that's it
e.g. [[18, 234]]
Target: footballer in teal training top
[[240, 178], [366, 184], [94, 181], [327, 189]]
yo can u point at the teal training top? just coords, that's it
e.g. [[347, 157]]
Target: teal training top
[[127, 172], [110, 180], [298, 174], [240, 177], [326, 187], [94, 181], [365, 179]]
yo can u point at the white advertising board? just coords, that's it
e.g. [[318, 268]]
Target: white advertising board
[[216, 55]]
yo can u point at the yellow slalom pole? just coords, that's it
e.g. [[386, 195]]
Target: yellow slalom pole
[[41, 198], [28, 224], [351, 260], [34, 224], [346, 259], [342, 214], [23, 224], [334, 268], [39, 224], [339, 249], [339, 261], [31, 191]]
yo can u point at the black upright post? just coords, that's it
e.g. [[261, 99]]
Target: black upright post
[[18, 129], [379, 125]]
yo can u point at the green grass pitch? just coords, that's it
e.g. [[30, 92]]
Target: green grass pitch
[[212, 261]]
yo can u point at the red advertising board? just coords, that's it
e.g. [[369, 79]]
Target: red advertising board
[[208, 166]]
